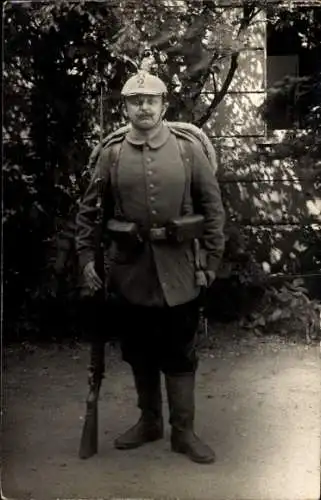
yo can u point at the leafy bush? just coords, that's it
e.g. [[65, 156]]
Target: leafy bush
[[240, 281], [287, 310]]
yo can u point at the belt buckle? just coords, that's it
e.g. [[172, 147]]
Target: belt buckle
[[157, 233]]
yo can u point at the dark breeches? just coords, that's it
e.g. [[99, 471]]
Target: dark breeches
[[97, 320], [159, 338]]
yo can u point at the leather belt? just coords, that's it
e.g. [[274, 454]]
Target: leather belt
[[158, 233], [154, 234]]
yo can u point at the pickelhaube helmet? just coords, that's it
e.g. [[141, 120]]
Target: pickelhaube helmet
[[144, 83]]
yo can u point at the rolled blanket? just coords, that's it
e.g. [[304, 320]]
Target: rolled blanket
[[195, 132], [182, 128]]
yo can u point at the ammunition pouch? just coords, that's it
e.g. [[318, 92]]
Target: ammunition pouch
[[176, 230], [123, 232], [185, 228]]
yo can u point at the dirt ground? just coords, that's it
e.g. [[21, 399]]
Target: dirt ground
[[258, 406]]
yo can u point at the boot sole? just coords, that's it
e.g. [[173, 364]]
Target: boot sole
[[132, 446], [198, 460]]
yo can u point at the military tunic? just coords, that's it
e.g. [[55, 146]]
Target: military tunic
[[151, 182]]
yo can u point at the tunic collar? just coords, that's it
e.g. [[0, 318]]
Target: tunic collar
[[156, 141]]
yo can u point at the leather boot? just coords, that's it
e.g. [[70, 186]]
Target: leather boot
[[180, 393], [150, 426]]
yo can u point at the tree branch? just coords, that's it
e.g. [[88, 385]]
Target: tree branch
[[220, 95], [203, 78], [214, 82], [249, 13]]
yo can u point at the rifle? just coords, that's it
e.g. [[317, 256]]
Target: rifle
[[96, 369]]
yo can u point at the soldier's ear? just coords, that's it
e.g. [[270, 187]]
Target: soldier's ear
[[124, 110], [165, 107]]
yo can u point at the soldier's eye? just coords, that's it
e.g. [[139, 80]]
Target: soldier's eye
[[134, 101]]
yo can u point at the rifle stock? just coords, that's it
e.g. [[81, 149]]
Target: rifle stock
[[89, 436]]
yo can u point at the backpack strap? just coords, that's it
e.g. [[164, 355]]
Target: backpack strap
[[192, 133], [115, 150], [186, 152]]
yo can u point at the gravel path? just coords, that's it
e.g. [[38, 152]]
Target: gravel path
[[258, 405]]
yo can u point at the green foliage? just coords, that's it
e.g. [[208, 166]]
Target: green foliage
[[287, 310], [58, 57], [299, 149], [290, 162]]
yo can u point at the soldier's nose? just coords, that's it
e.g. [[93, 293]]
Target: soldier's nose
[[144, 104]]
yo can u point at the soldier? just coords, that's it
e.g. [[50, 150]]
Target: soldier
[[159, 189]]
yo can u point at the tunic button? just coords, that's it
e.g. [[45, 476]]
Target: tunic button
[[149, 160], [150, 172], [154, 212], [152, 198], [151, 186]]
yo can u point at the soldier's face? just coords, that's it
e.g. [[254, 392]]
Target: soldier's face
[[145, 111]]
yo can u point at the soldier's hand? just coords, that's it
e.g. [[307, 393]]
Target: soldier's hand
[[210, 277], [91, 277]]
